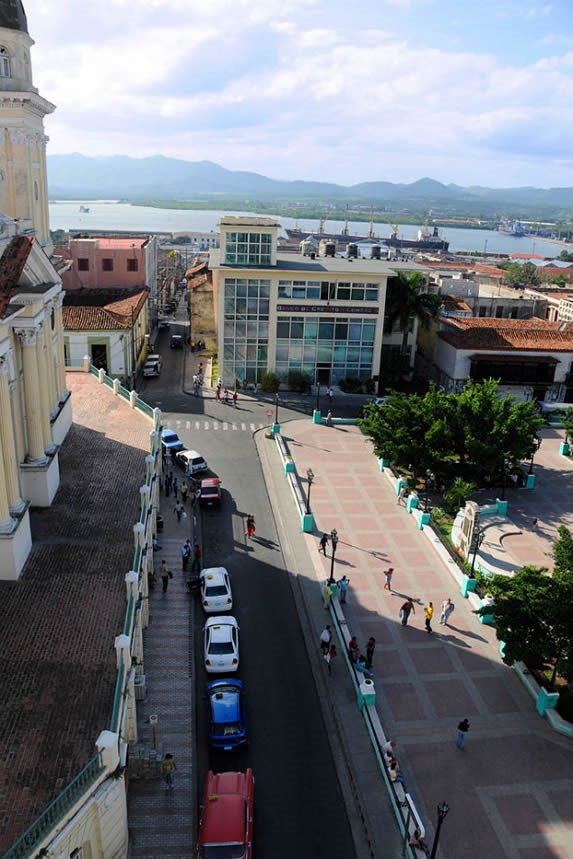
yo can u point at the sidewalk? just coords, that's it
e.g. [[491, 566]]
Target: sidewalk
[[510, 789]]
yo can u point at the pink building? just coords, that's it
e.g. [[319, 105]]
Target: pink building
[[106, 262]]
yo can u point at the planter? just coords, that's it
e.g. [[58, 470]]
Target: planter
[[467, 586], [366, 693]]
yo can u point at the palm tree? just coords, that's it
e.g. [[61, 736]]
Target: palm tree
[[407, 299]]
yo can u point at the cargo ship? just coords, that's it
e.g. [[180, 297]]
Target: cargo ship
[[511, 228], [428, 239]]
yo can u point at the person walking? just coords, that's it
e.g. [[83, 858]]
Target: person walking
[[218, 393], [251, 527], [174, 487], [179, 510], [235, 398], [343, 587], [184, 491], [330, 656], [196, 565], [165, 574], [226, 396], [428, 615], [325, 639], [463, 728], [323, 544], [370, 647], [353, 650], [329, 396], [388, 573], [406, 609], [168, 767], [185, 555], [329, 418], [167, 484], [447, 609]]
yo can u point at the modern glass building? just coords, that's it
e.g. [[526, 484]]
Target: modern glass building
[[323, 315]]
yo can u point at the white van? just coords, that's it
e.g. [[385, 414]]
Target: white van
[[152, 366]]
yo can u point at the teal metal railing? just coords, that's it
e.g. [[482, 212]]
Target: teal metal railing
[[57, 810]]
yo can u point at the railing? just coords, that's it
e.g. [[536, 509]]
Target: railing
[[117, 698], [57, 810]]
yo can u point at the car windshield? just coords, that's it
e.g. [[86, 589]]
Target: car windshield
[[197, 460], [226, 729], [215, 590], [218, 648], [223, 851]]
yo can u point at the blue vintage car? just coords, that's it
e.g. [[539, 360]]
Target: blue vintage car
[[227, 714], [171, 441]]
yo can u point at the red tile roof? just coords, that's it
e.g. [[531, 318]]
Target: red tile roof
[[194, 282], [452, 304], [477, 267], [194, 269], [12, 264], [110, 317], [532, 335]]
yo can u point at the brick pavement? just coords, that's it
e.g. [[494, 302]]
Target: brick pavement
[[59, 621], [510, 790]]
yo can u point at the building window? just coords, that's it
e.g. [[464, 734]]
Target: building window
[[248, 249], [499, 313], [83, 264], [483, 311], [107, 264], [246, 329], [4, 63], [132, 265]]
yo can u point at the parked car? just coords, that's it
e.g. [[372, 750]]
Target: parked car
[[216, 592], [227, 714], [177, 341], [152, 366], [171, 441], [164, 325], [226, 828], [191, 461], [210, 492], [221, 644]]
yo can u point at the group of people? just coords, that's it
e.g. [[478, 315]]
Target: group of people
[[188, 550], [227, 396], [408, 608], [362, 663]]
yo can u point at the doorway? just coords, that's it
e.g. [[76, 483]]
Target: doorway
[[99, 356]]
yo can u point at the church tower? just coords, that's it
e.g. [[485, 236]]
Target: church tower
[[23, 170]]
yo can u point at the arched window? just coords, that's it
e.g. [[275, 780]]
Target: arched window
[[4, 63]]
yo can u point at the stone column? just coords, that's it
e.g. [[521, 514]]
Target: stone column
[[7, 523], [60, 370], [32, 401], [42, 358], [50, 367], [7, 444]]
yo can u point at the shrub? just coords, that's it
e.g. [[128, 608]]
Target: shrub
[[350, 385], [298, 381], [269, 383]]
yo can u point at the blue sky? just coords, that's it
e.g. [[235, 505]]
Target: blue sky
[[471, 93]]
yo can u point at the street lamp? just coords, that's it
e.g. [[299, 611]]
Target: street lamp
[[334, 542], [536, 445], [277, 407], [443, 809], [310, 478], [478, 539]]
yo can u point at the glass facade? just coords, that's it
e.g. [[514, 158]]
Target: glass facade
[[248, 249], [314, 290], [245, 329], [340, 346]]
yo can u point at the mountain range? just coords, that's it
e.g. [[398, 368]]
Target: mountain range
[[76, 176]]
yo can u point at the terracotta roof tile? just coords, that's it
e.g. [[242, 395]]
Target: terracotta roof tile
[[533, 335], [452, 304], [111, 317], [12, 264]]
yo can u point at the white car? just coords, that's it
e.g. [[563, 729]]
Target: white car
[[191, 461], [152, 366], [221, 644], [216, 592]]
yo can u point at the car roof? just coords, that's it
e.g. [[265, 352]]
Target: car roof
[[190, 454], [225, 703], [224, 819], [221, 628], [215, 574]]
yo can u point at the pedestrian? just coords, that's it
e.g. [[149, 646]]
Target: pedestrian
[[197, 495], [388, 752], [251, 528], [388, 573], [463, 728], [235, 398], [325, 639], [323, 544], [326, 594], [330, 656], [394, 772], [155, 544], [184, 490], [428, 615], [405, 611], [401, 494], [185, 555], [151, 580], [534, 524], [175, 488], [353, 650], [447, 609], [245, 384], [167, 485], [362, 668], [370, 647], [226, 396], [196, 565], [165, 574], [329, 419], [329, 395], [178, 509], [343, 586], [168, 767], [218, 392]]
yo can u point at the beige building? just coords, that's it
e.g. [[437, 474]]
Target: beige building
[[35, 409]]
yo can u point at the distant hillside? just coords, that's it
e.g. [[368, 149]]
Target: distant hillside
[[121, 177]]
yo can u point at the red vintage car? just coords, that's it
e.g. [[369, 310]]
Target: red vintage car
[[226, 828], [210, 492]]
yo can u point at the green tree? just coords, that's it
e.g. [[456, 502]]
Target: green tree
[[269, 382], [458, 493], [521, 274], [563, 554], [566, 256], [567, 421], [407, 299]]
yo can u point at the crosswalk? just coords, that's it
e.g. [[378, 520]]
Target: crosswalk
[[210, 425]]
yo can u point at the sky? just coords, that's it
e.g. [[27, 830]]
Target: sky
[[330, 90]]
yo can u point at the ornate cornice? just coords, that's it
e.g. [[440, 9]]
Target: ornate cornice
[[28, 336]]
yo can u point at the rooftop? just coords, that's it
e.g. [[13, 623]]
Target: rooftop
[[247, 221], [59, 621], [117, 314], [532, 335], [336, 265]]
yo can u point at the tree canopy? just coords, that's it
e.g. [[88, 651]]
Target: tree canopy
[[407, 299], [520, 274], [472, 434]]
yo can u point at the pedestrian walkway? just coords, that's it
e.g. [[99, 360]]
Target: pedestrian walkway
[[510, 790], [215, 426]]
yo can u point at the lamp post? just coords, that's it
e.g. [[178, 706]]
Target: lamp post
[[478, 539], [334, 542], [536, 445], [443, 809], [277, 407], [310, 478]]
